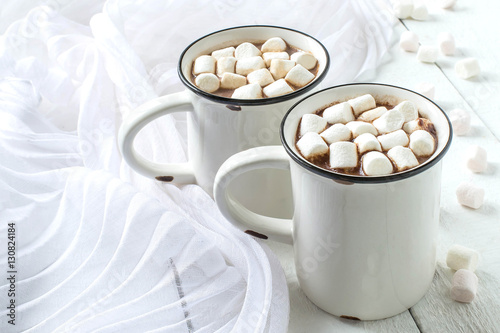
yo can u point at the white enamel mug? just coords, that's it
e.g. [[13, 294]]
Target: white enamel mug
[[219, 127], [364, 246]]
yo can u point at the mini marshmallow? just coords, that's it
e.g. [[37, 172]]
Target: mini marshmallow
[[461, 257], [274, 44], [393, 139], [470, 195], [279, 68], [260, 76], [464, 286], [246, 50], [339, 113], [376, 164], [371, 115], [446, 4], [426, 88], [409, 41], [367, 142], [390, 121], [204, 64], [207, 82], [408, 110], [268, 56], [402, 8], [446, 43], [232, 81], [312, 123], [403, 158], [335, 133], [421, 143], [277, 88], [225, 65], [417, 124], [460, 121], [362, 103], [427, 53], [299, 76], [249, 91], [343, 155], [305, 59], [223, 53], [467, 68], [246, 66], [476, 159], [419, 11], [359, 127], [312, 144]]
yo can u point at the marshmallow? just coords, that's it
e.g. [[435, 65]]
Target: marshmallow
[[311, 123], [419, 11], [246, 66], [274, 44], [427, 53], [339, 113], [359, 127], [207, 82], [403, 158], [427, 89], [299, 76], [446, 43], [362, 103], [343, 155], [223, 53], [470, 195], [268, 56], [393, 139], [467, 68], [476, 159], [376, 164], [280, 68], [249, 91], [246, 50], [461, 257], [409, 41], [277, 88], [260, 76], [460, 121], [225, 65], [446, 3], [421, 143], [418, 124], [408, 110], [402, 8], [371, 115], [335, 133], [464, 286], [204, 64], [305, 59], [367, 142], [232, 81], [390, 121], [311, 144]]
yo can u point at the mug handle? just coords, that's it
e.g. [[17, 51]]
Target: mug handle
[[252, 223], [178, 173]]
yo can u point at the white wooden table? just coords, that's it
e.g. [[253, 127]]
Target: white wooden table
[[476, 27]]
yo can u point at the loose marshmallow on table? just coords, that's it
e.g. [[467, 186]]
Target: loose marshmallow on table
[[305, 59], [446, 43], [390, 121], [277, 88], [204, 64], [446, 3], [470, 195], [371, 115], [467, 68], [274, 44], [367, 142], [421, 143], [299, 76], [376, 164], [359, 127], [226, 65], [461, 257], [246, 50], [408, 110], [460, 121], [227, 52], [232, 81], [409, 41], [312, 123], [393, 139], [427, 53], [246, 66], [279, 68], [335, 133], [249, 91], [261, 76], [362, 103], [403, 158], [402, 8], [419, 11], [268, 56], [464, 286], [312, 144], [417, 124], [343, 155], [339, 113], [426, 88], [207, 82], [476, 159]]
